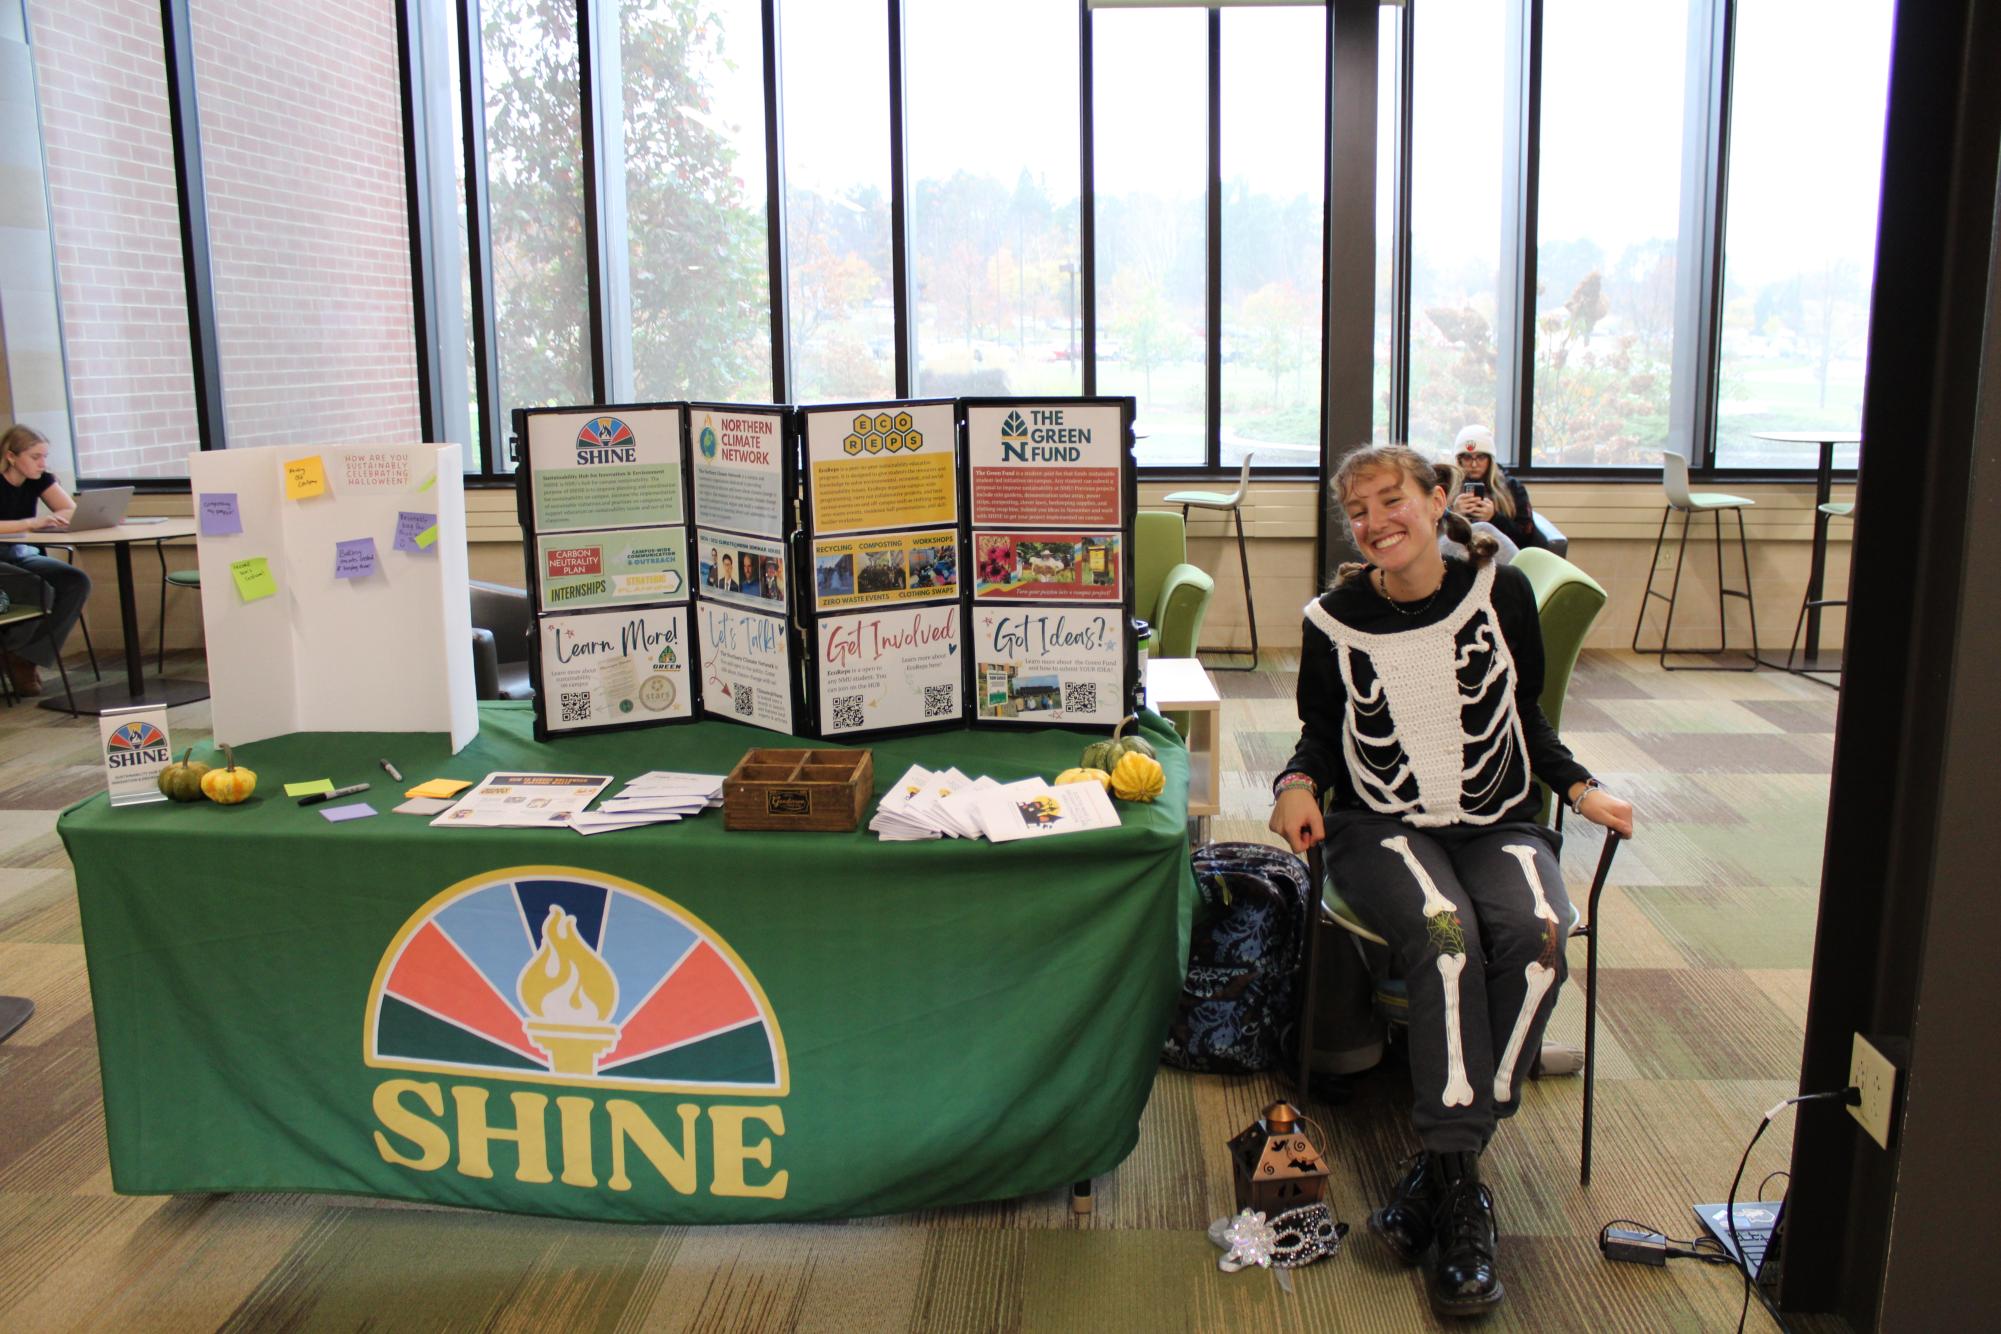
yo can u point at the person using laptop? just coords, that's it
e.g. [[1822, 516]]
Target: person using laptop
[[26, 485]]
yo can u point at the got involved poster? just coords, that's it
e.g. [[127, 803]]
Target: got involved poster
[[1049, 495]]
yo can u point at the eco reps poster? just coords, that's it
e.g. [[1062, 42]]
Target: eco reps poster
[[889, 667], [1049, 664], [887, 467], [611, 668]]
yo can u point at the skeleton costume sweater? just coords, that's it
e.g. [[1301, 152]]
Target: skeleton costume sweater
[[1435, 718]]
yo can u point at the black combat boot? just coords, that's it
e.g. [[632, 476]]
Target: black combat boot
[[1463, 1280], [1405, 1223]]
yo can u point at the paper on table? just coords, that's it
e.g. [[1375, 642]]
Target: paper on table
[[254, 579], [309, 787], [439, 787], [359, 810], [354, 559], [425, 806], [219, 515], [305, 478], [1069, 809], [524, 800]]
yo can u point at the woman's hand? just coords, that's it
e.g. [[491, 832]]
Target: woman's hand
[[1295, 817], [41, 523], [1602, 808], [1477, 508]]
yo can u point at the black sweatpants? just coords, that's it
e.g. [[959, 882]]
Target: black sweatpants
[[1476, 918]]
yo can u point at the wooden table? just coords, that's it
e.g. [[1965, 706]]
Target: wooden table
[[135, 689], [1183, 685], [1823, 490]]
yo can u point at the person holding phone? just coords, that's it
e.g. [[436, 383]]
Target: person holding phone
[[1489, 495], [26, 484]]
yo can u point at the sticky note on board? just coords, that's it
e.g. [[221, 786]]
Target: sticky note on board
[[429, 482], [439, 787], [305, 478], [254, 579], [354, 559], [411, 530], [219, 515], [309, 787], [359, 810]]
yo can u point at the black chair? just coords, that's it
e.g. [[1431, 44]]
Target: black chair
[[14, 1011], [502, 639], [28, 599]]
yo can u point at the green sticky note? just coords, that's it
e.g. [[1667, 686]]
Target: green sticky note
[[307, 789], [254, 579], [429, 482], [428, 536]]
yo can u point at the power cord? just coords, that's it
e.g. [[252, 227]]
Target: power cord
[[1634, 1242], [1852, 1097]]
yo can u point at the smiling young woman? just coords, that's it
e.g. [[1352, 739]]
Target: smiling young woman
[[1421, 735]]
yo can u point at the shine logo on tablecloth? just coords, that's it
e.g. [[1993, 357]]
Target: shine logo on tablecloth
[[558, 975]]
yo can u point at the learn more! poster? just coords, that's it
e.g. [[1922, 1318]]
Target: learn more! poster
[[885, 568], [614, 668], [887, 668], [1047, 567], [608, 468], [1049, 664], [1045, 464], [738, 464], [871, 467], [626, 567], [746, 666]]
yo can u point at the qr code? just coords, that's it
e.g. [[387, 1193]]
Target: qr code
[[576, 706], [848, 712], [746, 701], [941, 701], [1080, 696]]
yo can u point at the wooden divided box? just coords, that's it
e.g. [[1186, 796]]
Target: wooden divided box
[[820, 790]]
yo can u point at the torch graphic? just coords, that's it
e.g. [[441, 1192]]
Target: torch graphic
[[570, 995]]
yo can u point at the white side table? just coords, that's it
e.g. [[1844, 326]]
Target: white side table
[[1182, 685]]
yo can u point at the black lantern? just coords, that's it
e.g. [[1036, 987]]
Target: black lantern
[[1277, 1166]]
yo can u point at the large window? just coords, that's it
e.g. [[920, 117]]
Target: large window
[[1389, 99], [993, 203], [1800, 237]]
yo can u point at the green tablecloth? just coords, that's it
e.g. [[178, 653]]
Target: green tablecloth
[[806, 1025]]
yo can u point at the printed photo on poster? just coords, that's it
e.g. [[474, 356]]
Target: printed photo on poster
[[889, 668], [1048, 664], [605, 668], [748, 570], [739, 470], [608, 470], [1045, 465], [616, 569], [746, 666], [886, 466], [885, 568], [1048, 567]]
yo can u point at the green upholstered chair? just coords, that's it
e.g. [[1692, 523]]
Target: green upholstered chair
[[1567, 602], [189, 578], [1172, 595]]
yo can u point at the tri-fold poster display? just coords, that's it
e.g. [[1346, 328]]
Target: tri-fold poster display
[[832, 571]]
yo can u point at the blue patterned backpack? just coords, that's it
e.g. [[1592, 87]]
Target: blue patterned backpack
[[1239, 1008]]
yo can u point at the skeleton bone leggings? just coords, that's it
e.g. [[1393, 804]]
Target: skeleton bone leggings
[[1476, 917]]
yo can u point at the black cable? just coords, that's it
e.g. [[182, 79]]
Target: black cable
[[1848, 1095], [1780, 1172]]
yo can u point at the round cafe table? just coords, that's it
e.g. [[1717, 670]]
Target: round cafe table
[[1823, 488], [135, 689]]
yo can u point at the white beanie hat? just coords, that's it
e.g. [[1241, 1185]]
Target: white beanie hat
[[1474, 440]]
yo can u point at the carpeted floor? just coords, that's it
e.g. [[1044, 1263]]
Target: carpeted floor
[[1706, 942]]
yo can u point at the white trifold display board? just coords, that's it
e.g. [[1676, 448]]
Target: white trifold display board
[[385, 651]]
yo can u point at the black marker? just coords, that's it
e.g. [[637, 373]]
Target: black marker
[[319, 797]]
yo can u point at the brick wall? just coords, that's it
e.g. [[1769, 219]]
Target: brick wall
[[117, 229], [302, 141]]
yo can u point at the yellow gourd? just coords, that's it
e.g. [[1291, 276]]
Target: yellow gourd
[[1138, 778], [1098, 776], [227, 787], [182, 782]]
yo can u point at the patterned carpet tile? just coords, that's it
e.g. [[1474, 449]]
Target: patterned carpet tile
[[1796, 715], [1700, 1024], [1719, 926]]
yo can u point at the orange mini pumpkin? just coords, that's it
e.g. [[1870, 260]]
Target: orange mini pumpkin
[[228, 786]]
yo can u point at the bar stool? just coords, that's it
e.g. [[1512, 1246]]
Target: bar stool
[[1674, 480], [1835, 509], [1234, 503]]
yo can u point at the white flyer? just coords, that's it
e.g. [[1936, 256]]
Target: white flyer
[[523, 800]]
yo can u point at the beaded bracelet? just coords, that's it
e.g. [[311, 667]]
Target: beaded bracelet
[[1295, 779]]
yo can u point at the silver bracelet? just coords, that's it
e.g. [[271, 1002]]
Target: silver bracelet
[[1591, 785]]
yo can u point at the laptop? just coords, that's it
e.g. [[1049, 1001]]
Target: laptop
[[1758, 1224], [102, 508]]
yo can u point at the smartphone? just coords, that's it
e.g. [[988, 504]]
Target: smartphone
[[1476, 489]]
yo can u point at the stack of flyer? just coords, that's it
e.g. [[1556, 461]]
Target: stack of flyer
[[659, 797], [925, 804]]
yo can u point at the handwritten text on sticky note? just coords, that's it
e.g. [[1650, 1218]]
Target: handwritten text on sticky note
[[354, 559], [305, 478], [219, 516], [253, 577], [416, 533]]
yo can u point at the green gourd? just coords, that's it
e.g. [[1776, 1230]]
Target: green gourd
[[182, 782], [1107, 754]]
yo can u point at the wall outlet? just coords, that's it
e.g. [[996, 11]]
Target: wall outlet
[[1870, 1070]]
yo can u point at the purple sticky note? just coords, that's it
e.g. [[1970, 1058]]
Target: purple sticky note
[[359, 810], [409, 527], [355, 559], [219, 516]]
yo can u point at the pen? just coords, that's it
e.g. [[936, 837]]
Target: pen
[[390, 769], [319, 797]]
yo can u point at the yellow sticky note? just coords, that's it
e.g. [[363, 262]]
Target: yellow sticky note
[[429, 482], [305, 478], [428, 536], [308, 788], [254, 579], [439, 787]]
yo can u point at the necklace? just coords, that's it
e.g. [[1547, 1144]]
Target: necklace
[[1382, 587]]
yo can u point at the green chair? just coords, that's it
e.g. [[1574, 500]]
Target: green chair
[[1567, 602], [1170, 593], [189, 578]]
